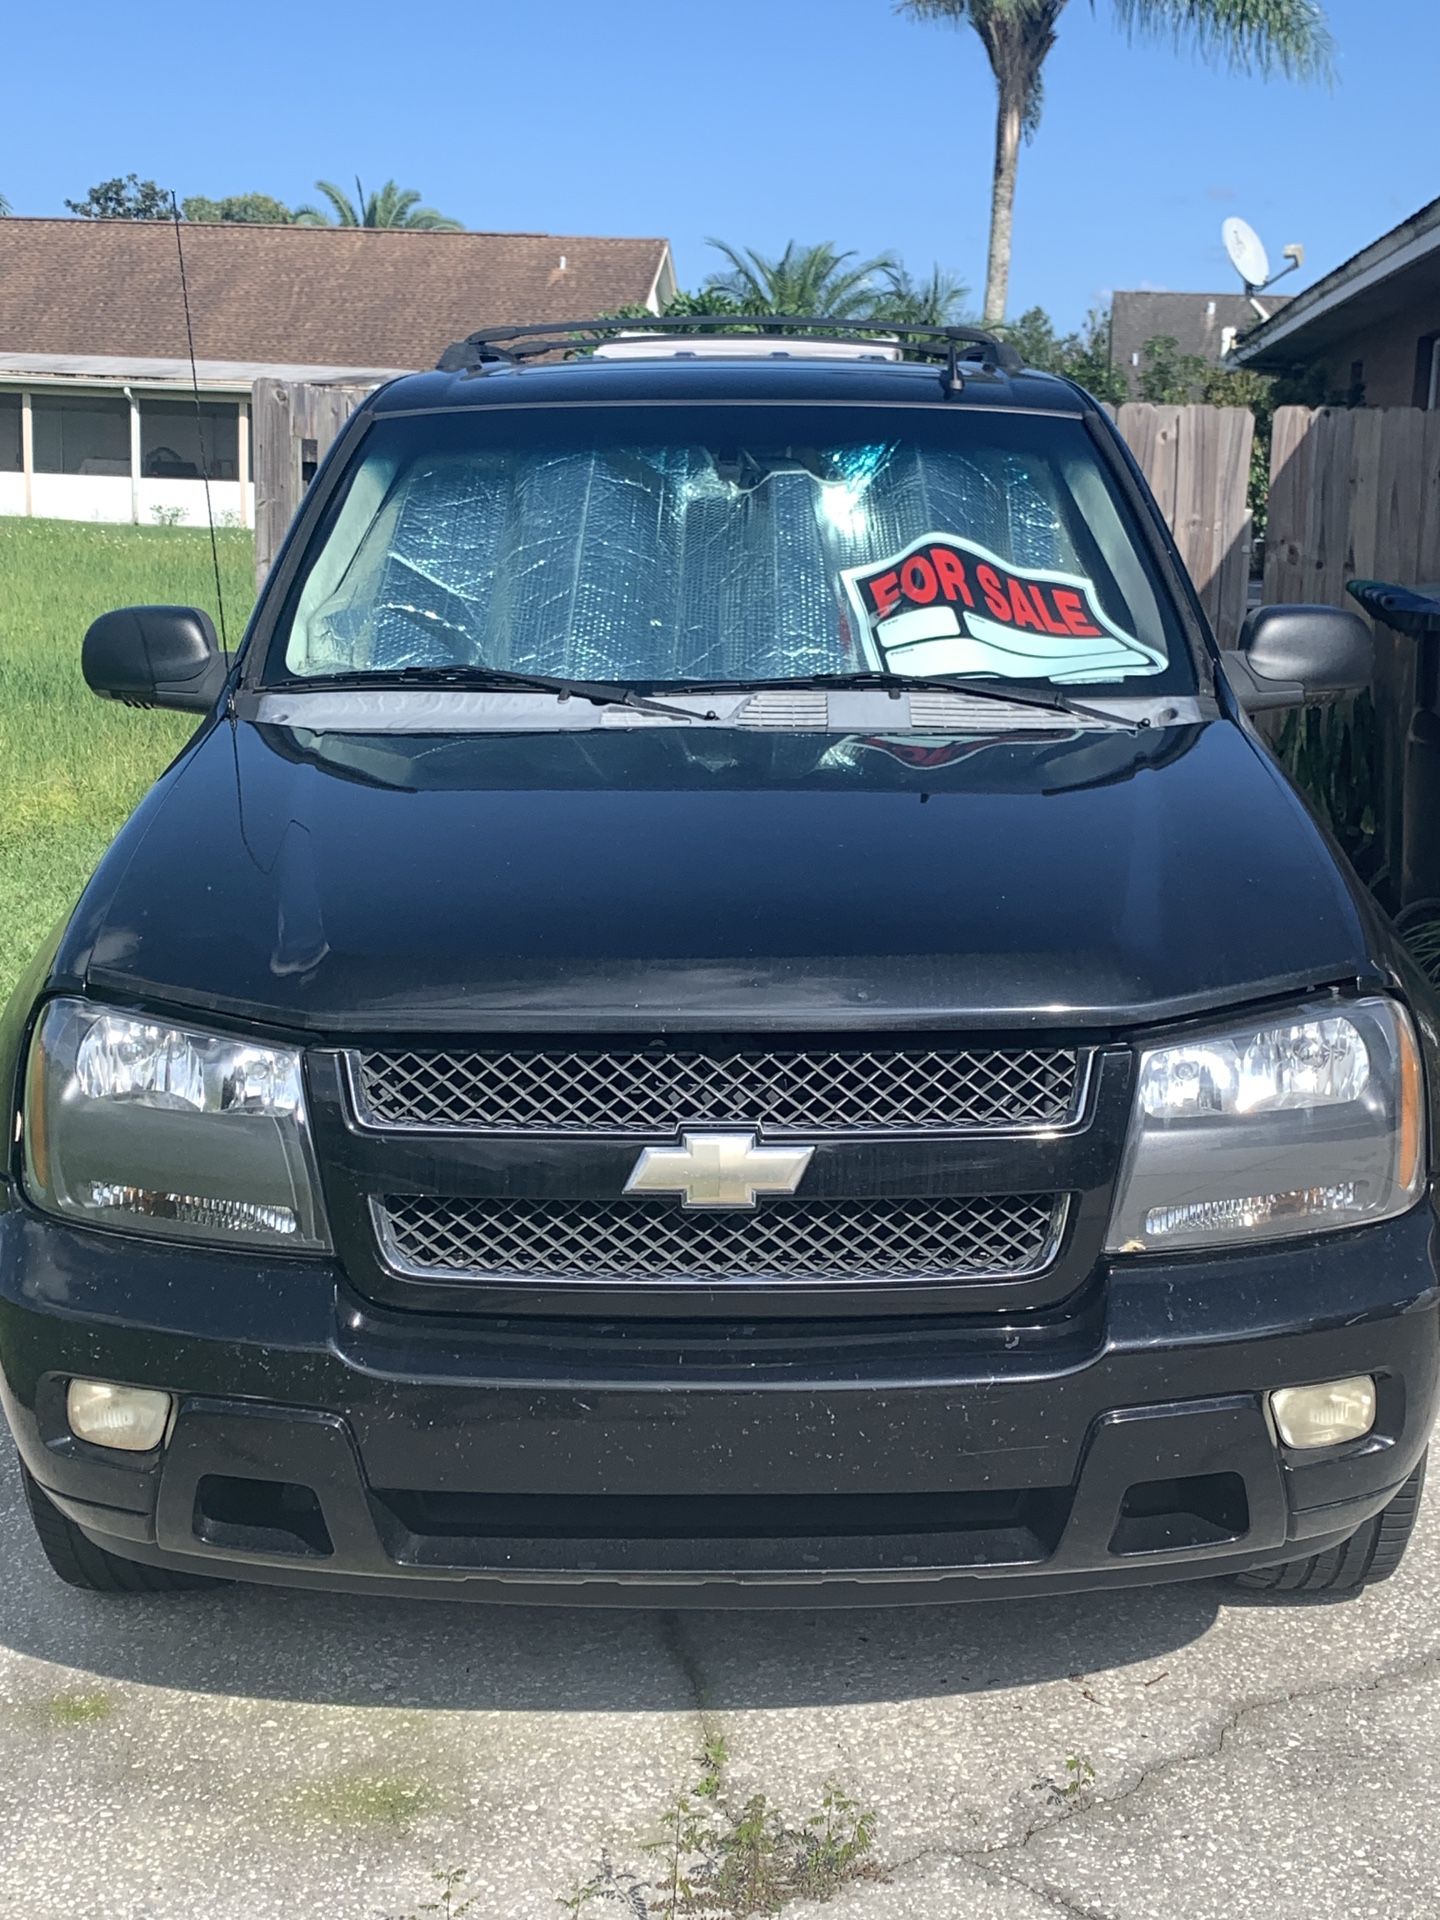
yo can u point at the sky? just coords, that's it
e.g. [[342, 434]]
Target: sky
[[756, 121]]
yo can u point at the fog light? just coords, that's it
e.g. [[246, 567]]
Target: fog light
[[1327, 1415], [133, 1419]]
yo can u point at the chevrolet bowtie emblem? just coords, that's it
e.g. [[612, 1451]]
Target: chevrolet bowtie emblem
[[719, 1169]]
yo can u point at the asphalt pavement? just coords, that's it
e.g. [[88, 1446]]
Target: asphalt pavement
[[1172, 1753]]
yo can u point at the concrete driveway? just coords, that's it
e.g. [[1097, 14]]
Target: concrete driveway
[[1162, 1755]]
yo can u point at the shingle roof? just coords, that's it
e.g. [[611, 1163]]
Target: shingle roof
[[1396, 271], [323, 295], [1195, 321]]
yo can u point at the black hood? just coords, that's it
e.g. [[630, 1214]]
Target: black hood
[[653, 877]]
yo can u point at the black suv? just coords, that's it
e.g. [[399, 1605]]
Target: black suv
[[725, 1003]]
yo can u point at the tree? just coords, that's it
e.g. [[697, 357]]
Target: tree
[[1083, 356], [4, 206], [936, 302], [392, 206], [802, 280], [1264, 36], [238, 209], [127, 198]]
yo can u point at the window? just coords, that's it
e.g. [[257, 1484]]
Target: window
[[10, 452], [175, 446], [734, 544], [81, 433]]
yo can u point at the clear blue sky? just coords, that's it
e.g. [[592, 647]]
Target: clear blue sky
[[754, 120]]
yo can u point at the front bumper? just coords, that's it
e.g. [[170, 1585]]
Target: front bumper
[[321, 1441]]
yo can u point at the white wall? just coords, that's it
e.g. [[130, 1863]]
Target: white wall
[[79, 496], [188, 498], [88, 496]]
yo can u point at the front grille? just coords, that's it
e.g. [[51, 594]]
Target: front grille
[[991, 1090], [609, 1241]]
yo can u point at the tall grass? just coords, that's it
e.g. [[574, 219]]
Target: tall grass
[[72, 767]]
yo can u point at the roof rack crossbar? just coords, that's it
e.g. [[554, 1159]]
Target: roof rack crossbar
[[512, 345]]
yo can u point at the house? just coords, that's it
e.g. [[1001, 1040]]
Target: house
[[1371, 329], [1202, 324], [98, 419]]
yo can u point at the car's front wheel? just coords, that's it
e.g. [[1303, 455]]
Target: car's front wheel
[[1370, 1555], [80, 1563]]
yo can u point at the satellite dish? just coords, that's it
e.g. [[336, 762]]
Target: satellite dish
[[1247, 253]]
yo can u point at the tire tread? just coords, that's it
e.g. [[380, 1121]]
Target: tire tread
[[80, 1563], [1371, 1554]]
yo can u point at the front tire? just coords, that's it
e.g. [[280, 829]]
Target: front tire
[[1371, 1554], [80, 1563]]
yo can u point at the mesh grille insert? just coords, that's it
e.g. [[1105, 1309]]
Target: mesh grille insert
[[608, 1241], [804, 1092]]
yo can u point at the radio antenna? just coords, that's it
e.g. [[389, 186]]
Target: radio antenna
[[199, 421]]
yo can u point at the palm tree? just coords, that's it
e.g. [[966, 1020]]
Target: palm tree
[[936, 302], [802, 280], [1260, 36], [4, 206], [392, 206]]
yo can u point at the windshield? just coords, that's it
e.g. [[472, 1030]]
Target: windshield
[[731, 544]]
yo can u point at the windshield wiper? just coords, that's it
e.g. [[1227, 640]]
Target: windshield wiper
[[492, 679], [1016, 693]]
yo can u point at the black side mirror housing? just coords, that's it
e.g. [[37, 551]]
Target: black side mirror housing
[[1292, 656], [155, 657]]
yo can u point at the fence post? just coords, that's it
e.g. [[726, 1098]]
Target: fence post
[[294, 424], [1197, 461]]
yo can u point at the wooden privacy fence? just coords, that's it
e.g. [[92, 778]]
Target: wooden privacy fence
[[293, 424], [1355, 494], [1197, 459]]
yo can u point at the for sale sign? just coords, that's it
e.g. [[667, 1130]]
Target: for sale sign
[[946, 606]]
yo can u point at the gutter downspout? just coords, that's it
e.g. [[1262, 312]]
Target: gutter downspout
[[27, 452], [134, 456]]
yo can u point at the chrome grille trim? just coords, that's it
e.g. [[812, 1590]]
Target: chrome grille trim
[[804, 1092], [788, 1243]]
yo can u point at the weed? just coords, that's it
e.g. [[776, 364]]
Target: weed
[[1079, 1776], [609, 1886], [720, 1861], [363, 1800], [451, 1900], [169, 516], [76, 1709]]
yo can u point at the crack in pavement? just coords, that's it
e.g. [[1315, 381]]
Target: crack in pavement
[[676, 1644], [1001, 1860], [1053, 1895]]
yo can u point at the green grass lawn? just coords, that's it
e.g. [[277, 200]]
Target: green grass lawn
[[71, 766]]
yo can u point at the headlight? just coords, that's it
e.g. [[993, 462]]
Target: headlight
[[165, 1130], [1255, 1132]]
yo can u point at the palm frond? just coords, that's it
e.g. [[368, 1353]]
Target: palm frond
[[344, 211], [1255, 36], [939, 301], [426, 219], [803, 280], [392, 206]]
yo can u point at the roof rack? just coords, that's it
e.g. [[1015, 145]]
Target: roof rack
[[492, 347]]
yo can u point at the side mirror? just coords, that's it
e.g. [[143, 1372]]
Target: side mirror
[[1290, 656], [155, 657]]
